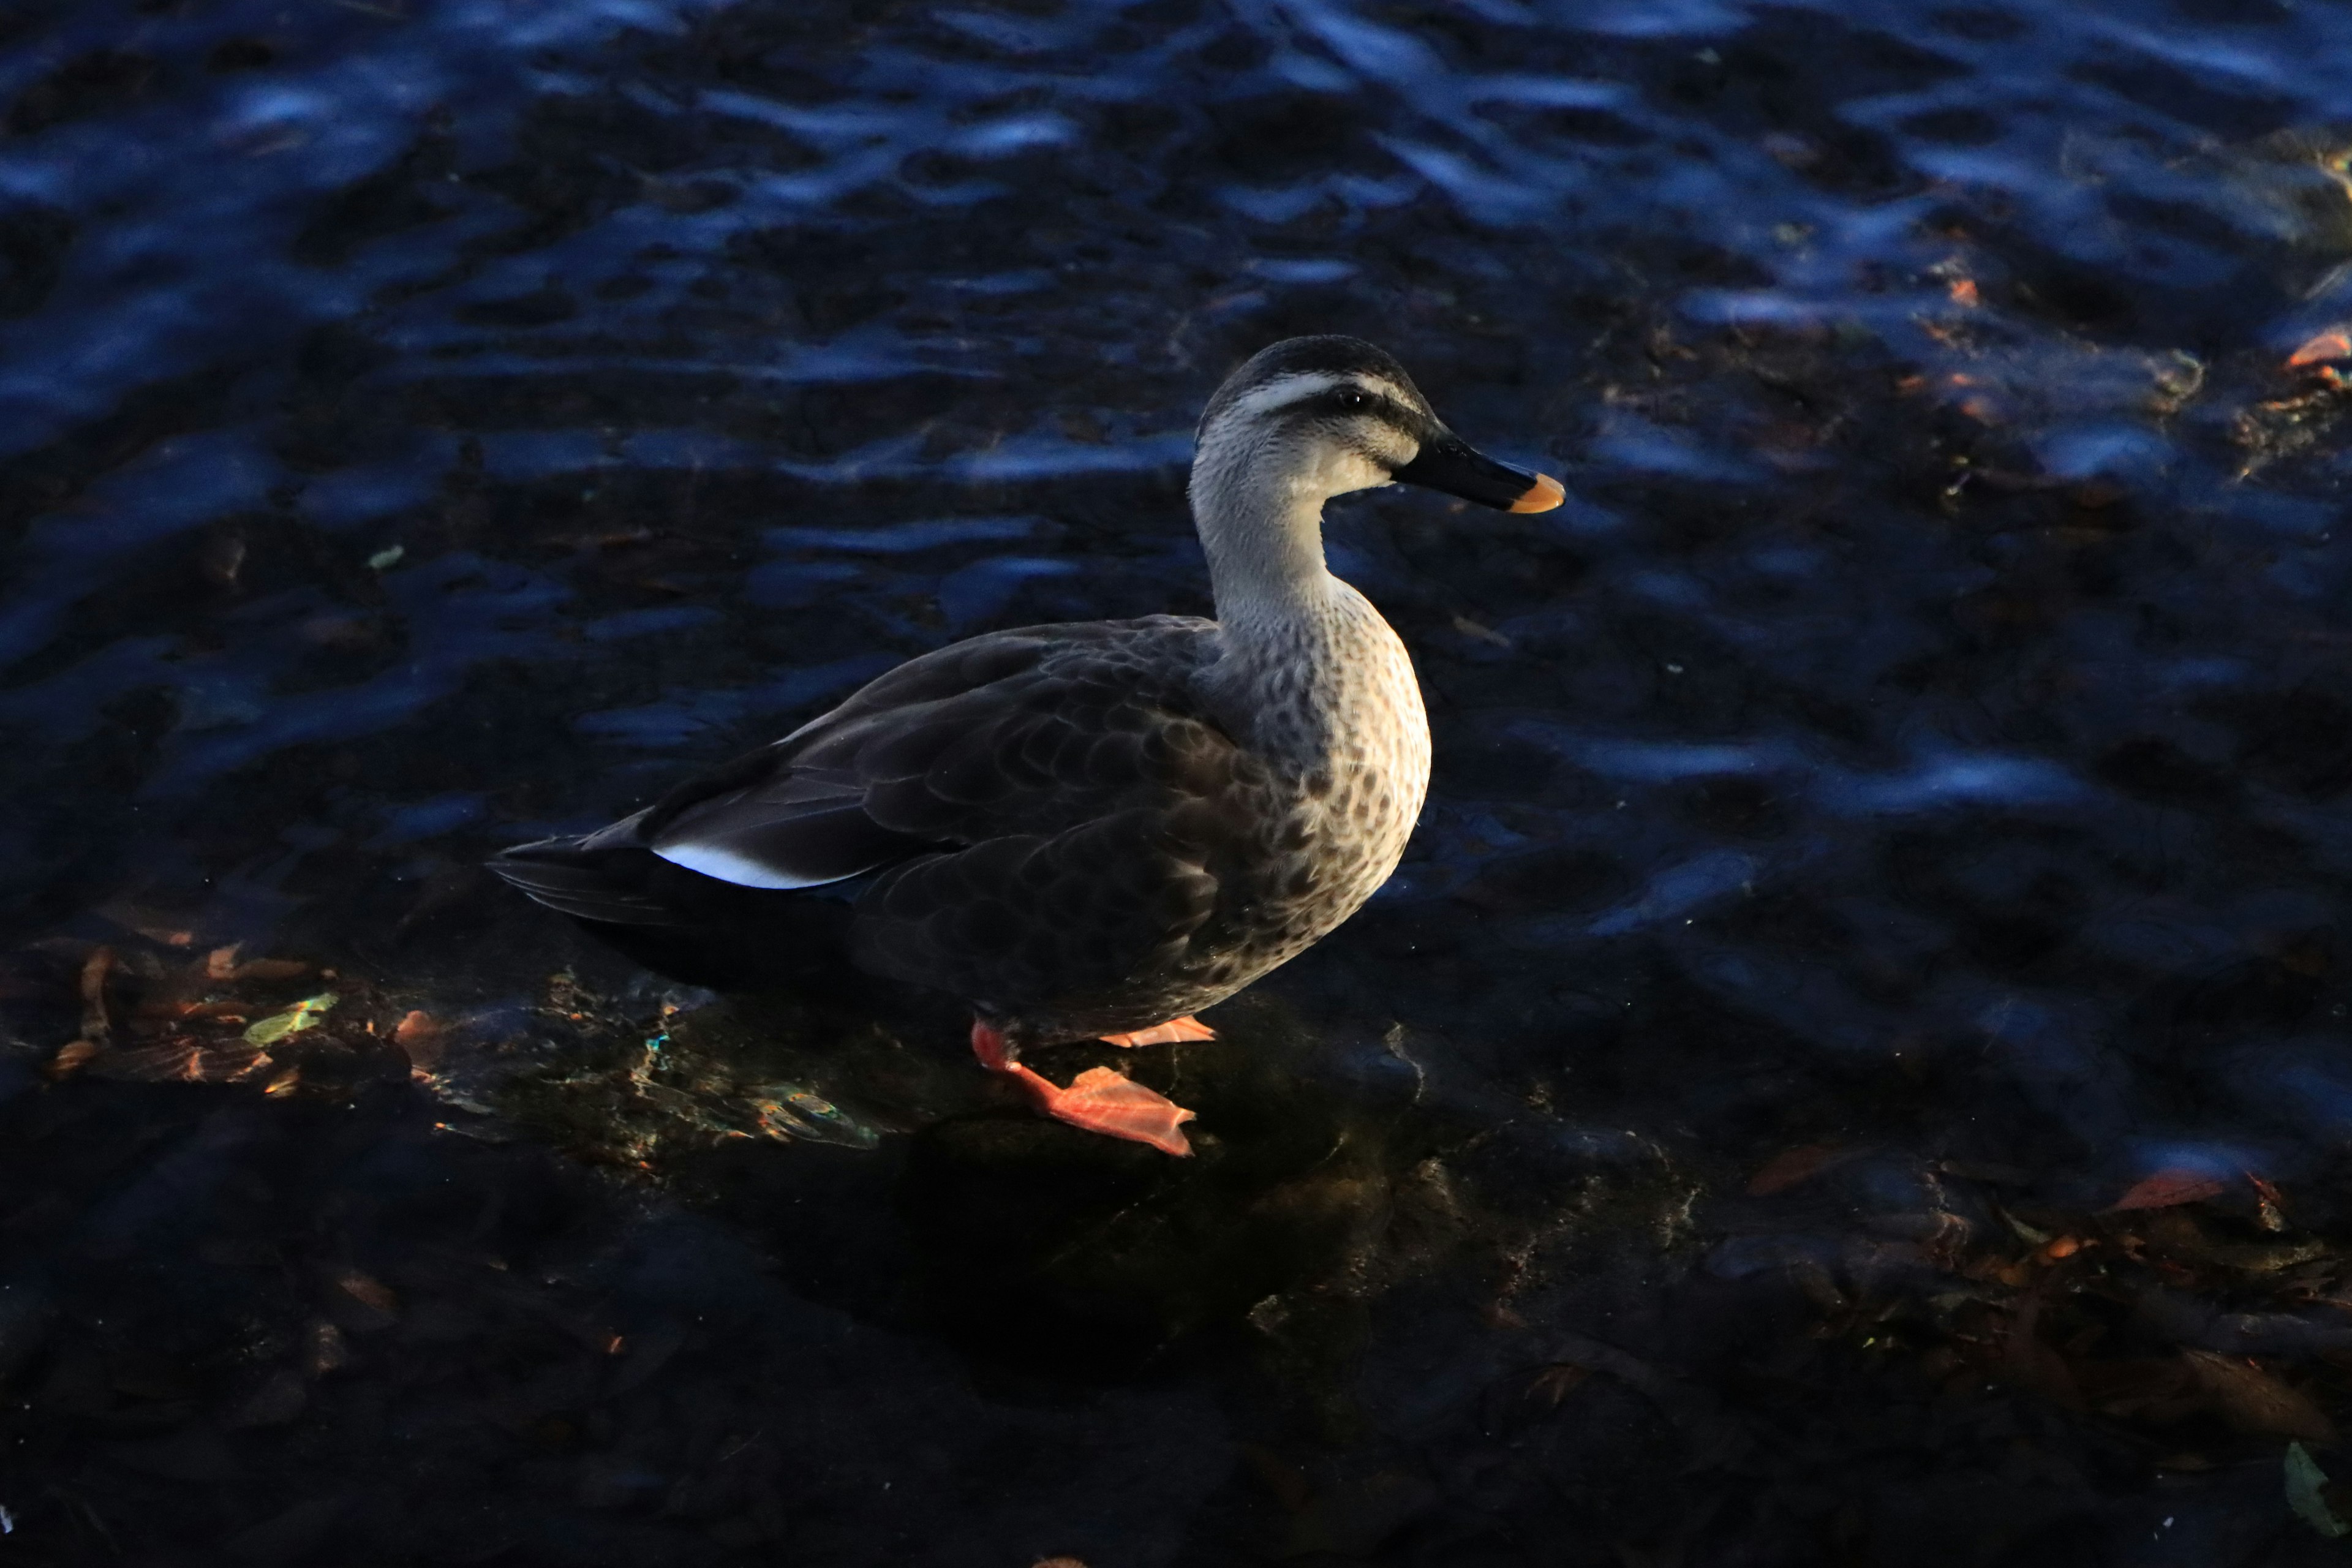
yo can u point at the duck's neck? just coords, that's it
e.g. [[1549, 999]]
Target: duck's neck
[[1261, 524], [1306, 662]]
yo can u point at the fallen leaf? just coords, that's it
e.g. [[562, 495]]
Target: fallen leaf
[[2266, 1198], [423, 1037], [1789, 1168], [1555, 1384], [1964, 291], [2330, 344], [2252, 1400], [94, 970], [154, 927], [2167, 1189], [70, 1059], [221, 964], [2306, 1493], [222, 1012], [324, 1350], [368, 1291], [303, 1014]]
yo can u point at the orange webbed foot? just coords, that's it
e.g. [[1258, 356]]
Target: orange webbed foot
[[1099, 1101], [1115, 1105], [1174, 1032]]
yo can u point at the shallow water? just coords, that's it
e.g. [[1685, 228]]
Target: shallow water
[[1892, 813]]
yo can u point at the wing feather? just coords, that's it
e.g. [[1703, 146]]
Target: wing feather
[[1031, 800]]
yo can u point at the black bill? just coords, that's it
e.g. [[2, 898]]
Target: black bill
[[1450, 464]]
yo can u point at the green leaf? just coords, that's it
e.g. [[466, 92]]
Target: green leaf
[[2304, 1480], [303, 1015]]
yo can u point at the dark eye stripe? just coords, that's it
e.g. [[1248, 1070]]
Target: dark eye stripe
[[1348, 400]]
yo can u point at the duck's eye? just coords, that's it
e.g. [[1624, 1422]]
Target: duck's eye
[[1351, 398]]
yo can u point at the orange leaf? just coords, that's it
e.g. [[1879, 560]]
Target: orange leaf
[[2330, 344], [1786, 1169], [2168, 1189], [1964, 291], [70, 1057]]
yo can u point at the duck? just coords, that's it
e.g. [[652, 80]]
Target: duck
[[1094, 830]]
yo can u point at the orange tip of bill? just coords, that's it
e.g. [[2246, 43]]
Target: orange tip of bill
[[1541, 495]]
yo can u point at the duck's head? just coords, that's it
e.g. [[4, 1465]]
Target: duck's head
[[1311, 418]]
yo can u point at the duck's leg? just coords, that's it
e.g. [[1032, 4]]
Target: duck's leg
[[1100, 1101], [1174, 1032]]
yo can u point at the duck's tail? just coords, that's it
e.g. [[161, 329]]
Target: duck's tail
[[689, 926], [603, 885]]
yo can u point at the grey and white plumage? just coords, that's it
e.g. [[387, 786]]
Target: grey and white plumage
[[1090, 830]]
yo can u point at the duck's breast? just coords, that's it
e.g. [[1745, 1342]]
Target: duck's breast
[[1378, 753], [1338, 724]]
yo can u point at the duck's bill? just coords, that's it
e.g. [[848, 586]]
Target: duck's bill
[[1450, 464]]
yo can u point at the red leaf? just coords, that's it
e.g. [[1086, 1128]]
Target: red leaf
[[2168, 1189], [2327, 345], [1785, 1170]]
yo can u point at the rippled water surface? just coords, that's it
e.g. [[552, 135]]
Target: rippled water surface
[[1853, 1070]]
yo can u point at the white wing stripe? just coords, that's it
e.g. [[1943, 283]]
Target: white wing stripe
[[726, 866]]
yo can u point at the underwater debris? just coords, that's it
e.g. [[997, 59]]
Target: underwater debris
[[627, 1090], [788, 1111], [2306, 1493]]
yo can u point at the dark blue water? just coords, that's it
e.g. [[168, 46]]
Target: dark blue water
[[1896, 809]]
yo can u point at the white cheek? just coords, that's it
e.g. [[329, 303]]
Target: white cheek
[[1339, 471]]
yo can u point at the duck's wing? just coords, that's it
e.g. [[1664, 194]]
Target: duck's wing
[[1041, 805]]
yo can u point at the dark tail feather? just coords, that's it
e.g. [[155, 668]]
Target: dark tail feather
[[609, 887], [686, 925]]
